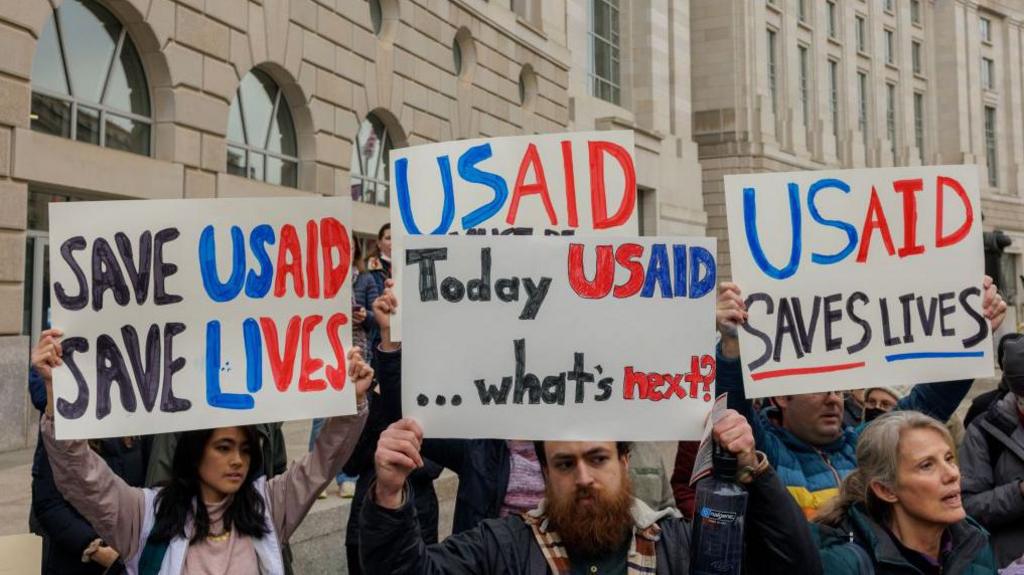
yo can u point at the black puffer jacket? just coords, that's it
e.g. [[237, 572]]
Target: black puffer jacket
[[778, 541]]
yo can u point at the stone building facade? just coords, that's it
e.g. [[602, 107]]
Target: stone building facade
[[145, 99], [784, 85]]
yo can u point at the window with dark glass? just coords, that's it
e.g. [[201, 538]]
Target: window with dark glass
[[919, 124], [988, 73], [773, 85], [915, 56], [861, 31], [890, 117], [890, 47], [605, 45], [915, 11], [862, 105], [833, 24], [804, 86], [991, 154], [261, 134], [88, 83], [370, 180]]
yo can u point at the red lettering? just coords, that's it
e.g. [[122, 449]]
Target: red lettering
[[334, 236], [709, 377], [908, 188], [654, 381], [942, 241], [874, 220], [674, 386], [289, 247], [312, 273], [336, 375], [598, 194], [281, 367], [694, 377], [310, 365], [540, 186], [604, 276], [570, 184], [633, 380], [626, 255]]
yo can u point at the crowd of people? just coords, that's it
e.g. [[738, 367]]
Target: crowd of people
[[880, 480]]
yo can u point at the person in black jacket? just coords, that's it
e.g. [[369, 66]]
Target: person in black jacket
[[67, 536], [587, 522]]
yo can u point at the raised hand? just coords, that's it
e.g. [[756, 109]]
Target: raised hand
[[360, 373], [992, 304], [383, 307], [398, 454]]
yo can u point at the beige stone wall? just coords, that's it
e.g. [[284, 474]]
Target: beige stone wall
[[333, 71], [656, 95], [738, 130]]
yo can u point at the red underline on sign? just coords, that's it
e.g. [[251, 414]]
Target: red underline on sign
[[805, 370]]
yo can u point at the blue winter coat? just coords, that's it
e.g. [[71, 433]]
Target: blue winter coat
[[812, 474]]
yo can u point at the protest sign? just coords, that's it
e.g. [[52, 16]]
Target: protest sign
[[188, 314], [858, 277], [580, 183], [559, 338], [22, 553]]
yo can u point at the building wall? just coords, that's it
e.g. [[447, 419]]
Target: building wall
[[738, 129], [655, 105], [333, 71]]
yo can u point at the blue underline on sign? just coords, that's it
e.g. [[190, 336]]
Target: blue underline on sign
[[933, 355]]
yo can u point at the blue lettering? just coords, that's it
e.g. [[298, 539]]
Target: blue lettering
[[258, 285], [214, 396], [657, 271], [700, 286], [221, 292], [851, 232], [750, 223], [469, 172]]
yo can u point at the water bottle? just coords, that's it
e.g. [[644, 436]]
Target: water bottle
[[717, 547]]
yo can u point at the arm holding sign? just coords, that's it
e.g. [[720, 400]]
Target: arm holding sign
[[293, 492], [109, 504]]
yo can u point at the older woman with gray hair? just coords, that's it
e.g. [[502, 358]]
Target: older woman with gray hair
[[900, 511]]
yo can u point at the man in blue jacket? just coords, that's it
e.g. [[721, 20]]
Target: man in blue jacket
[[812, 450]]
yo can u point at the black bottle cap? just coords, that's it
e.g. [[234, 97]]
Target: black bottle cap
[[724, 464]]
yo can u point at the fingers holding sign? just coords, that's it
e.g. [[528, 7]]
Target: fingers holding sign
[[383, 308], [398, 454], [359, 372], [46, 356], [992, 304]]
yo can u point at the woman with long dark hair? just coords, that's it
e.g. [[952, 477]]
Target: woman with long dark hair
[[217, 514]]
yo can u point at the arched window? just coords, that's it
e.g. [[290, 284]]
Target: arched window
[[87, 80], [370, 178], [261, 134]]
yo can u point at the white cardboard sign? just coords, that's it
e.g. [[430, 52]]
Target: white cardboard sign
[[189, 314], [559, 338], [859, 277], [581, 183]]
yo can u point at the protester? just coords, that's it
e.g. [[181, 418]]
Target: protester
[[853, 408], [379, 263], [377, 272], [364, 291], [496, 477], [811, 449], [900, 511], [70, 545], [992, 460], [685, 495], [984, 400], [879, 401], [587, 522], [385, 408], [217, 514]]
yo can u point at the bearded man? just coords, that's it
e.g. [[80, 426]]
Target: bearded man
[[588, 522]]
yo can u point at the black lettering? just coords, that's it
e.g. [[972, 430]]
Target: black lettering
[[945, 311], [535, 294], [905, 301], [580, 376], [111, 369], [428, 274], [147, 378], [806, 333], [887, 338], [525, 382], [865, 326], [927, 318], [138, 275], [70, 347], [978, 337], [831, 317], [106, 275], [452, 290], [492, 393], [172, 365], [554, 389], [163, 270], [480, 289], [785, 324], [507, 289], [770, 305], [79, 301]]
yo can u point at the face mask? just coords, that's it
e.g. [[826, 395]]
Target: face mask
[[872, 413]]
